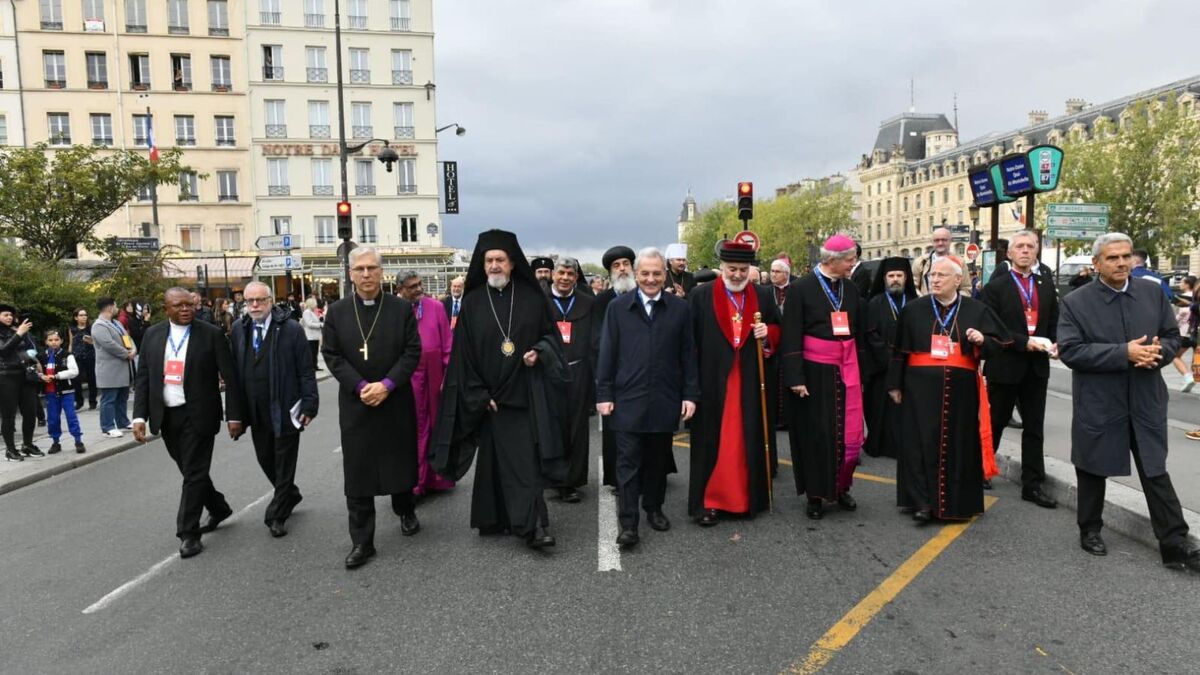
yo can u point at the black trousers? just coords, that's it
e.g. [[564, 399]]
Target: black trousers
[[87, 373], [642, 461], [17, 396], [277, 456], [192, 452], [1030, 395], [1166, 515], [362, 515], [314, 346]]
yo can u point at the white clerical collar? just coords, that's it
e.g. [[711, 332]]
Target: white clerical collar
[[827, 275], [556, 294], [945, 303], [1122, 289], [366, 302]]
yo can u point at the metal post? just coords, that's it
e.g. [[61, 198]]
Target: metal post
[[154, 182], [337, 43], [1029, 204], [995, 227], [225, 262]]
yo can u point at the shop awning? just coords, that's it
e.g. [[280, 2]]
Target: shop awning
[[241, 267]]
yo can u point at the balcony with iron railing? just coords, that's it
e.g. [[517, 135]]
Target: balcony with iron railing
[[406, 189], [60, 139], [178, 29], [135, 28], [359, 76], [222, 86], [314, 20], [56, 84], [317, 74], [406, 132], [140, 141], [227, 198], [362, 132], [52, 25], [318, 131], [185, 140], [276, 131], [97, 84], [269, 18], [401, 23], [102, 141], [358, 22], [226, 142], [273, 73], [402, 77], [322, 190], [188, 196], [139, 86], [217, 31], [182, 85], [364, 190], [279, 190]]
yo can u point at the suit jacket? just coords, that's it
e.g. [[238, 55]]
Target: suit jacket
[[290, 366], [647, 368], [113, 367], [448, 303], [1013, 363], [207, 355]]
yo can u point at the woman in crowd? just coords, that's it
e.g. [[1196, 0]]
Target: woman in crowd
[[221, 315], [313, 321], [18, 391], [79, 345]]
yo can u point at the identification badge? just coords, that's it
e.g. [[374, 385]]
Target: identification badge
[[940, 346], [737, 331], [1031, 320], [127, 341], [564, 329], [841, 323], [173, 372]]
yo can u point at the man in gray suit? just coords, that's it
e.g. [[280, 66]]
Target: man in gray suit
[[115, 355]]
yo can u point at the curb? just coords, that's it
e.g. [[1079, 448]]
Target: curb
[[1124, 507]]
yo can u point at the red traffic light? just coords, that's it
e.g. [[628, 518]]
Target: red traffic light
[[343, 208], [746, 189]]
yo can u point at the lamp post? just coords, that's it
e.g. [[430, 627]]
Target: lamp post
[[459, 130]]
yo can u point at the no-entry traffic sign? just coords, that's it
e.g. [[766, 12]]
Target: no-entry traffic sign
[[748, 237], [972, 252]]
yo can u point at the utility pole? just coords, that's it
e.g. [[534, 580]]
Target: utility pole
[[341, 99]]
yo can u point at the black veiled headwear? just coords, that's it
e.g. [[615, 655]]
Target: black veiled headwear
[[542, 263], [879, 283], [5, 307], [616, 253], [493, 240]]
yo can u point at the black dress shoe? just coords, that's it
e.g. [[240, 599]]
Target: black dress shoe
[[91, 406], [987, 484], [569, 495], [32, 450], [815, 509], [847, 502], [13, 455], [922, 516], [213, 520], [709, 518], [409, 525], [539, 539], [277, 528], [627, 539], [1040, 498], [359, 555], [1015, 423], [658, 521], [80, 448], [1092, 543], [190, 547], [55, 448]]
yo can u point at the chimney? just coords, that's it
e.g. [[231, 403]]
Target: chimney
[[1037, 117], [1075, 105]]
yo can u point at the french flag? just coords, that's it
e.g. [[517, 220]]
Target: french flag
[[151, 141]]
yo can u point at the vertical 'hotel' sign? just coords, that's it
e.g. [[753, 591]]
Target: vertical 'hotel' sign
[[450, 185]]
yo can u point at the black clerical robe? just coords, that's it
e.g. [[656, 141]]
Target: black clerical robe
[[943, 412], [821, 461], [883, 415], [379, 444], [581, 344], [729, 464], [684, 281]]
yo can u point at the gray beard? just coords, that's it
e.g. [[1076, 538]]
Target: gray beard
[[623, 284], [895, 288], [497, 281]]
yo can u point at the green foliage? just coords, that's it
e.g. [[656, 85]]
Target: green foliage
[[134, 275], [52, 200], [794, 224], [45, 293], [593, 269], [1147, 169]]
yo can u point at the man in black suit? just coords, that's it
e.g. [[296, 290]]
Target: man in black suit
[[453, 301], [647, 346], [1027, 304], [279, 385], [177, 391]]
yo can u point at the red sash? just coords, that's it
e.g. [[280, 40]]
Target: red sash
[[925, 360]]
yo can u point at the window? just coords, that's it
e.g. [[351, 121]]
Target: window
[[227, 186], [889, 184], [358, 14], [97, 70], [868, 210], [961, 189], [276, 118], [960, 214], [917, 200], [181, 72], [402, 66], [55, 66], [139, 71], [314, 13], [277, 178], [270, 12], [52, 15], [408, 229], [143, 193], [315, 58], [272, 62], [931, 199], [222, 74], [407, 171], [135, 16], [403, 113], [102, 130], [3, 130], [868, 189], [185, 130], [360, 115], [945, 196], [281, 224], [906, 204], [177, 17], [318, 119], [224, 130], [322, 177], [360, 66], [141, 130], [189, 238], [904, 228], [326, 229], [93, 10], [401, 14], [189, 187], [918, 225], [366, 230], [364, 176], [231, 238], [218, 17]]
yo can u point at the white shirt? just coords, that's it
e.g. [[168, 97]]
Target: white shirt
[[1122, 289], [173, 396], [646, 300]]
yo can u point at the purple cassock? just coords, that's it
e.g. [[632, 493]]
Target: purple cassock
[[436, 340]]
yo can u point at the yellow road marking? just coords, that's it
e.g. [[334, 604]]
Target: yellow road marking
[[785, 462], [857, 474], [845, 630], [681, 445]]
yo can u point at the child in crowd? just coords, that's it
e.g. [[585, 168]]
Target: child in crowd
[[58, 372]]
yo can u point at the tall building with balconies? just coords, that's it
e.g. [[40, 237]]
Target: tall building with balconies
[[12, 124]]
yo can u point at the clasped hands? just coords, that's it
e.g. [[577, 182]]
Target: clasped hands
[[686, 410], [373, 394], [1144, 355]]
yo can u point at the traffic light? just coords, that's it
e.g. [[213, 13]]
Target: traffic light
[[745, 201], [345, 229]]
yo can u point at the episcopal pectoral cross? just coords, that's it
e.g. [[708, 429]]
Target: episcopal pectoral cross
[[364, 350]]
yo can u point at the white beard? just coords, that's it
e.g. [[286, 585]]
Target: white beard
[[497, 281], [736, 288], [623, 283]]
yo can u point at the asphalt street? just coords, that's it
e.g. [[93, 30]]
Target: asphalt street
[[860, 592]]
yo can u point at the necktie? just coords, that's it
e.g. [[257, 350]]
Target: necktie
[[651, 305], [454, 312], [258, 336]]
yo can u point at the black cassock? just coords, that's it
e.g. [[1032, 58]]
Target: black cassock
[[816, 422], [941, 458], [379, 445], [520, 444], [883, 416], [579, 311]]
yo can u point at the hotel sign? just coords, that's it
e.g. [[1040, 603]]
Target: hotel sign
[[328, 150]]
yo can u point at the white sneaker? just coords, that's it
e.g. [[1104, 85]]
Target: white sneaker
[[1187, 384], [114, 433]]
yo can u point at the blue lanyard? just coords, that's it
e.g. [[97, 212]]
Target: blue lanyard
[[170, 341], [1027, 296], [736, 306], [903, 302], [565, 312], [836, 302], [945, 323], [418, 310]]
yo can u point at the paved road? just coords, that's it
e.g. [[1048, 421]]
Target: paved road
[[1010, 593]]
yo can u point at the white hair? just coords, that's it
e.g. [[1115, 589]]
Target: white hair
[[1025, 233], [781, 265], [648, 253], [359, 252], [827, 255], [949, 261], [1109, 238], [256, 284]]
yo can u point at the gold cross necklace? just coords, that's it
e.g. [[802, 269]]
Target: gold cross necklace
[[367, 337]]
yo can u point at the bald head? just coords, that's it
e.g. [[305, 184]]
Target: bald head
[[179, 305], [941, 241]]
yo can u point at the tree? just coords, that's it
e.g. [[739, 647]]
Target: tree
[[52, 201], [1146, 168], [47, 294], [593, 269], [134, 275]]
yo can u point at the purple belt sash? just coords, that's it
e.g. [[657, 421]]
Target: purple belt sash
[[844, 355]]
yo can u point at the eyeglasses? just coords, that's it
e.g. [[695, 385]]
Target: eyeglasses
[[258, 301], [370, 269]]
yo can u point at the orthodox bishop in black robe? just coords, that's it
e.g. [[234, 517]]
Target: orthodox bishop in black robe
[[621, 281], [579, 327], [883, 311]]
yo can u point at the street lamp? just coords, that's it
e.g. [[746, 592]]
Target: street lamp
[[387, 155], [974, 212], [459, 130]]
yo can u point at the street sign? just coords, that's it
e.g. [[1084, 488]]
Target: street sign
[[136, 243], [279, 263], [450, 185], [748, 237], [1018, 180], [1045, 162], [997, 175], [981, 188], [972, 252], [1076, 221], [278, 242]]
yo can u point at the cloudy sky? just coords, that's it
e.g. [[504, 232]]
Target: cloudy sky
[[589, 120]]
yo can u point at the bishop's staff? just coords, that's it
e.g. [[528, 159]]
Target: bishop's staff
[[762, 397]]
